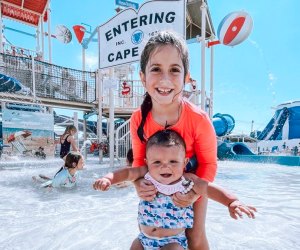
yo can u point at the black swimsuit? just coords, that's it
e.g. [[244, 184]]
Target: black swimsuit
[[64, 147]]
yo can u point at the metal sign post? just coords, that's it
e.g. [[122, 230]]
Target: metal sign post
[[127, 4]]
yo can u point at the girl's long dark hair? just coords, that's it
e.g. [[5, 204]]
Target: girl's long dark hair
[[161, 39], [145, 109]]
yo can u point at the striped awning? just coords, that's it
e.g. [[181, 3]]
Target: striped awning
[[25, 11]]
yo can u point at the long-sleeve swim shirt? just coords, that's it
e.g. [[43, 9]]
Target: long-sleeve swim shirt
[[195, 128]]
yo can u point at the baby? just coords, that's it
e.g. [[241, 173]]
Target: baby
[[161, 222]]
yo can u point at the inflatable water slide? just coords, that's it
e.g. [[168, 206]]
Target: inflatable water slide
[[283, 128], [278, 143]]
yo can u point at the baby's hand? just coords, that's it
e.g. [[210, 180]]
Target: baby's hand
[[237, 208], [102, 184]]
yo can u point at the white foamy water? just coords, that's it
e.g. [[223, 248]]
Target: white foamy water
[[36, 218]]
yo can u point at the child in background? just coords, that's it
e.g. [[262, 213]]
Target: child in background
[[161, 222], [129, 160], [67, 175], [67, 140], [129, 157]]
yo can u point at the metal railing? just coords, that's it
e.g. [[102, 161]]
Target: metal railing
[[48, 80], [122, 140]]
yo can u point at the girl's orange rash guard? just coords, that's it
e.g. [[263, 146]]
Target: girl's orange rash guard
[[195, 128]]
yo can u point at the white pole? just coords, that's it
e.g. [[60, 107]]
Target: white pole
[[99, 94], [203, 31], [83, 59], [43, 41], [33, 78], [49, 34], [84, 138], [111, 119], [37, 49], [76, 125], [99, 118], [1, 32], [85, 96], [211, 103]]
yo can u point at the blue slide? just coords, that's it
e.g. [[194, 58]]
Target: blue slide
[[274, 127], [12, 85], [228, 150], [224, 124]]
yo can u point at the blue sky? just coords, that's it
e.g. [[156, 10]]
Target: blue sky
[[249, 78]]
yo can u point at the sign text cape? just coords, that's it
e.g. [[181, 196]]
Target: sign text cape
[[123, 37]]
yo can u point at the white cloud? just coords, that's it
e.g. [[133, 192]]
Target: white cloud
[[91, 60]]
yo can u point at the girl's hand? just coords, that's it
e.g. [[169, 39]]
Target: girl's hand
[[145, 189], [237, 208], [184, 200], [199, 189], [200, 185], [102, 184]]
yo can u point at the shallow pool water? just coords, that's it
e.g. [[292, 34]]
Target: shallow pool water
[[37, 218]]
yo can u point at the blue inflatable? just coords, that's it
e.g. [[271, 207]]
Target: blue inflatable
[[223, 124], [12, 85]]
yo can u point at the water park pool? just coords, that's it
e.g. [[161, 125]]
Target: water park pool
[[36, 218]]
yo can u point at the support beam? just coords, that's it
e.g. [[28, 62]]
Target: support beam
[[203, 47]]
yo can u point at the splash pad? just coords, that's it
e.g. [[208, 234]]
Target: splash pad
[[81, 218]]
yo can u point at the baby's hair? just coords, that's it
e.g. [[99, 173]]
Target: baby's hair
[[163, 38], [165, 138]]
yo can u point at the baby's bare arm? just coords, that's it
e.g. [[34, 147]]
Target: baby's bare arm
[[219, 194], [236, 208], [124, 174]]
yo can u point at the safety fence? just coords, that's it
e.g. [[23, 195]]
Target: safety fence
[[33, 77]]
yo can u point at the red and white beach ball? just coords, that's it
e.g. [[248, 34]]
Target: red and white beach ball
[[235, 28]]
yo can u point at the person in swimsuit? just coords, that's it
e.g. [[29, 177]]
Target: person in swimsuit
[[161, 222], [164, 69], [67, 140], [67, 175]]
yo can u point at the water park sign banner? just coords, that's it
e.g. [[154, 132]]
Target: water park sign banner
[[124, 36]]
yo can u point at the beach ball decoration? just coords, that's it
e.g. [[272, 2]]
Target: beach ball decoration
[[235, 28], [79, 31]]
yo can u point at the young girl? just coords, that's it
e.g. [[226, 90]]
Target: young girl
[[67, 140], [67, 175], [161, 222], [164, 69]]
